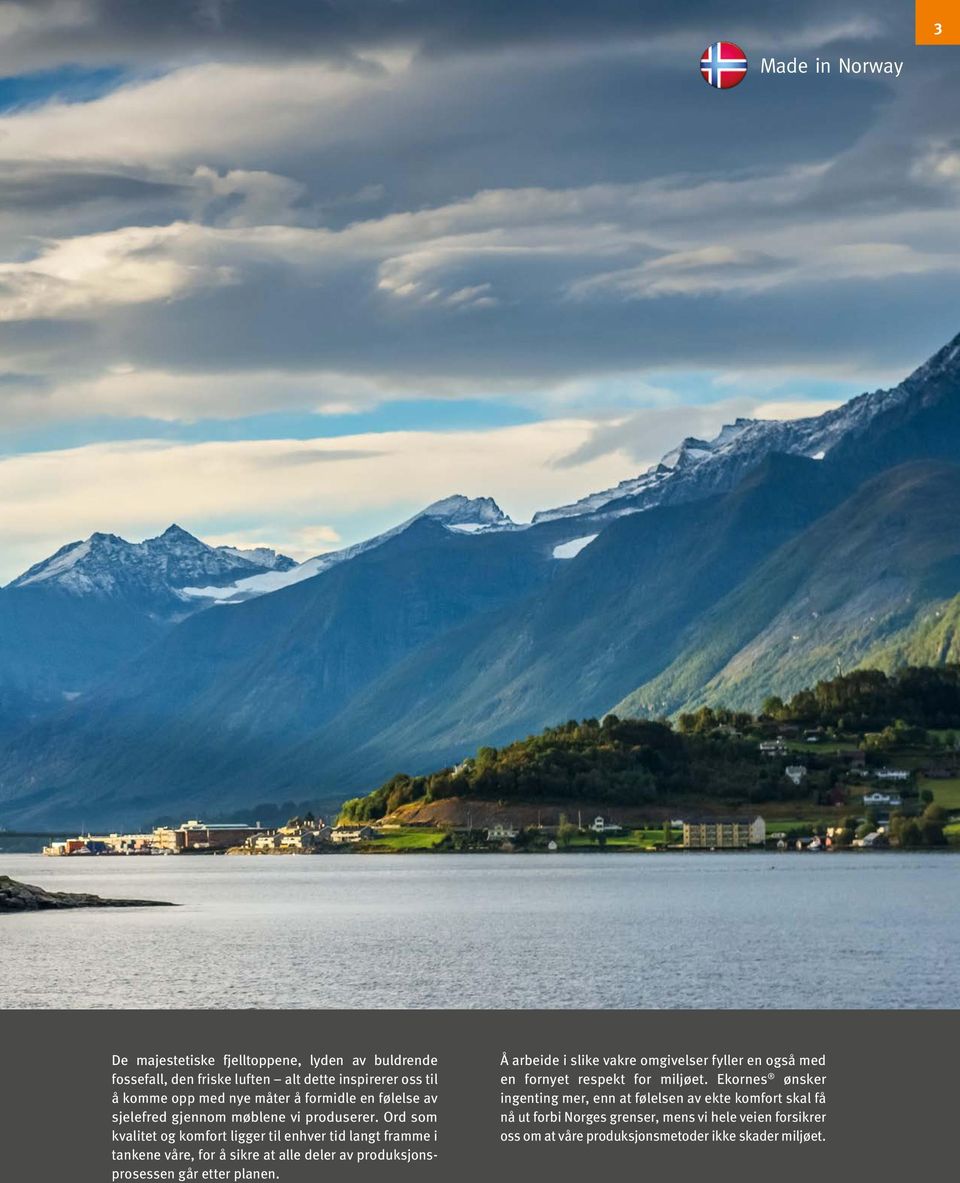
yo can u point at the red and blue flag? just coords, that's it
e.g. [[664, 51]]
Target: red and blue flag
[[723, 64]]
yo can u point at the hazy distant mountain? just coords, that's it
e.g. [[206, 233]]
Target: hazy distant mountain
[[737, 567], [205, 709], [70, 620]]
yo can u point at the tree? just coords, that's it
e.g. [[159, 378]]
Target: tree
[[931, 824], [905, 832], [566, 831], [772, 707], [486, 759]]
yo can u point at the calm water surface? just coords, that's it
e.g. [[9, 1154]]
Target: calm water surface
[[598, 930]]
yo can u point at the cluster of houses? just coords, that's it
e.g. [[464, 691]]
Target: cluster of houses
[[707, 833], [307, 837], [312, 835], [877, 837], [856, 765], [724, 833], [504, 832], [197, 837]]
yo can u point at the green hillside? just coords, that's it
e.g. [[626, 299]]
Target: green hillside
[[835, 596], [625, 762], [712, 756], [932, 639]]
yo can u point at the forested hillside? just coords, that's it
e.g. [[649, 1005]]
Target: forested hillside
[[712, 754]]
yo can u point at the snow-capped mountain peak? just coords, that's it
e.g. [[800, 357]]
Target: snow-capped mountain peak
[[467, 514], [155, 569], [698, 468], [260, 556], [460, 514]]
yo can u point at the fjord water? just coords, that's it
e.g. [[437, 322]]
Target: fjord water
[[580, 930]]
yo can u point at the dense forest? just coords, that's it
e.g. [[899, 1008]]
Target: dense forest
[[915, 697], [869, 700], [712, 753], [621, 761]]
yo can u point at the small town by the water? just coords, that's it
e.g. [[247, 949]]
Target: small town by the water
[[315, 836], [763, 784]]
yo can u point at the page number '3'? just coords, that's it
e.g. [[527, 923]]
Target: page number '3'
[[937, 29]]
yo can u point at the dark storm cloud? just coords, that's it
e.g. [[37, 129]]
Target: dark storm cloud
[[304, 458], [18, 382], [37, 189], [628, 217], [248, 327], [114, 30]]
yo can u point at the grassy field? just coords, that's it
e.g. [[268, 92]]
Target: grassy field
[[407, 839], [629, 840], [415, 839], [419, 838], [945, 792], [792, 826], [828, 747]]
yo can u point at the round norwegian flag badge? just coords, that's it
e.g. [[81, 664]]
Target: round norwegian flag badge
[[723, 65]]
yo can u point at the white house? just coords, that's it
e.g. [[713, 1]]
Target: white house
[[502, 833], [893, 774], [876, 798], [599, 826], [351, 833], [795, 772]]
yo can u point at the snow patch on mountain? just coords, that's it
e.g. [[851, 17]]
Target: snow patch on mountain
[[570, 550], [58, 565]]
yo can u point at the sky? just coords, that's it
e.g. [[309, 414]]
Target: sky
[[285, 271]]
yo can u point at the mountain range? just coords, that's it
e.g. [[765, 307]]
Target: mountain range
[[170, 676]]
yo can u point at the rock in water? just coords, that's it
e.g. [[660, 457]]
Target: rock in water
[[23, 897]]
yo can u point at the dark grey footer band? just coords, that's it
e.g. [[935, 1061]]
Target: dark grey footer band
[[107, 1097]]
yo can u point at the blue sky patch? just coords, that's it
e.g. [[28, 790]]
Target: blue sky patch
[[409, 415], [69, 84]]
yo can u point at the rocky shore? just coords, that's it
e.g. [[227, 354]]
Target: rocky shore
[[23, 897]]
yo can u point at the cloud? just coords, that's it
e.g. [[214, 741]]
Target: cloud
[[51, 31], [275, 492], [307, 457], [218, 220], [212, 112], [649, 434], [303, 496], [308, 206], [92, 274], [301, 542], [381, 300]]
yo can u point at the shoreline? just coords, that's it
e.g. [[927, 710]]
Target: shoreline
[[18, 898], [584, 851]]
